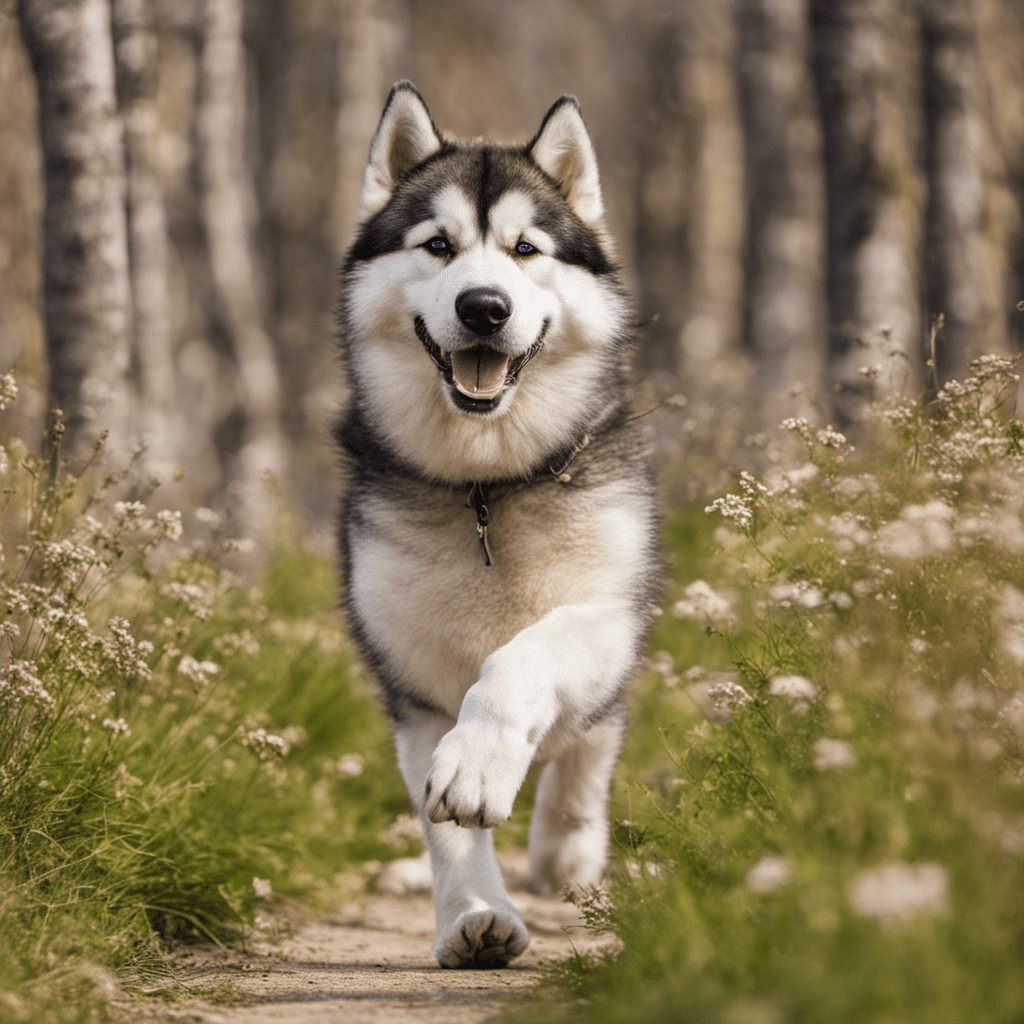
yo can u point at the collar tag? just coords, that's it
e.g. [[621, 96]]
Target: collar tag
[[478, 500]]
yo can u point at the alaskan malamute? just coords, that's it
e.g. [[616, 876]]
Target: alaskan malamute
[[498, 539]]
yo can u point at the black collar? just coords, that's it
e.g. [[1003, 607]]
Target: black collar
[[477, 499]]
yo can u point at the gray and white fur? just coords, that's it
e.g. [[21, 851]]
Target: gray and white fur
[[499, 542]]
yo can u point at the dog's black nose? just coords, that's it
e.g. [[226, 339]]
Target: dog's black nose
[[483, 310]]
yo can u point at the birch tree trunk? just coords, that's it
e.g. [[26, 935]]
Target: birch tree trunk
[[229, 213], [135, 47], [958, 287], [662, 221], [709, 340], [371, 38], [785, 249], [86, 289], [863, 58]]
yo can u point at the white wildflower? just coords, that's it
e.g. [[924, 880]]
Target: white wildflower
[[351, 765], [8, 389], [851, 487], [65, 557], [198, 671], [129, 511], [733, 507], [19, 686], [700, 602], [830, 438], [841, 600], [796, 688], [740, 507], [208, 517], [404, 828], [729, 696], [637, 869], [850, 531], [244, 642], [829, 753], [898, 892], [118, 726], [801, 475], [663, 663], [768, 874], [169, 523], [798, 592], [921, 532], [263, 744], [195, 598], [262, 888]]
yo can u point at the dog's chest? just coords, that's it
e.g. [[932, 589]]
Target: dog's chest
[[424, 595]]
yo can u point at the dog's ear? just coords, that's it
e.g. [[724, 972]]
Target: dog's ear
[[405, 137], [562, 150]]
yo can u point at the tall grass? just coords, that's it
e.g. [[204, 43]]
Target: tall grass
[[838, 833], [175, 743]]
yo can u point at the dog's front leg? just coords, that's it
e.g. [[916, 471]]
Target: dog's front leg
[[477, 923], [557, 674]]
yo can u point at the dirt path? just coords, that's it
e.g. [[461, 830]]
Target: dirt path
[[367, 965]]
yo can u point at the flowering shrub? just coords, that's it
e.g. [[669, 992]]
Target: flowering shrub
[[839, 834], [170, 736]]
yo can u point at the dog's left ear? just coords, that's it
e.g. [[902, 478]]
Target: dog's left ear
[[405, 137], [562, 149]]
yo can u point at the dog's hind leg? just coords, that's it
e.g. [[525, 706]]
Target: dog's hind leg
[[569, 827], [477, 923]]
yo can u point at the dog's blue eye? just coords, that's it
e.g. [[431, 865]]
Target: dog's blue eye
[[439, 246], [525, 249]]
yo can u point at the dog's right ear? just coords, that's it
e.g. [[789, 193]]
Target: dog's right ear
[[405, 137]]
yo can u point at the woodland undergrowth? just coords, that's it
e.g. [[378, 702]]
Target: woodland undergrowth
[[833, 827], [180, 746]]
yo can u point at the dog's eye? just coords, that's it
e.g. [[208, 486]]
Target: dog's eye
[[523, 248], [439, 246]]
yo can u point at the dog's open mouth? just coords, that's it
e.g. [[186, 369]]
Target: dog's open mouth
[[480, 374]]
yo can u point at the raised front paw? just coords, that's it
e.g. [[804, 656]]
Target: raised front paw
[[475, 773]]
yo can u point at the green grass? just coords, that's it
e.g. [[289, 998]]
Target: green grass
[[853, 850], [842, 839], [174, 742]]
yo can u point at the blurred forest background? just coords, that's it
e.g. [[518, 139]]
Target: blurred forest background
[[799, 188]]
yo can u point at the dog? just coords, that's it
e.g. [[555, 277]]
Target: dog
[[499, 537]]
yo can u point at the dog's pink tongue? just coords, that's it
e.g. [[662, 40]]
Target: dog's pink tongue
[[479, 372]]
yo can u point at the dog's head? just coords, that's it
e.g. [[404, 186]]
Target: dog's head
[[482, 310]]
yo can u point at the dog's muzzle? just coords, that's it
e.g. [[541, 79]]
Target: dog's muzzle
[[480, 374]]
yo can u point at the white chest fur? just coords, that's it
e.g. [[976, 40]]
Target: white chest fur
[[426, 600]]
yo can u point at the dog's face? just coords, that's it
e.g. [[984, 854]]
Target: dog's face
[[481, 300]]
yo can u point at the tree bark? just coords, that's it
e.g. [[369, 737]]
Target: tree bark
[[371, 38], [135, 46], [958, 286], [709, 340], [874, 218], [86, 289], [229, 213], [785, 248], [662, 214]]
